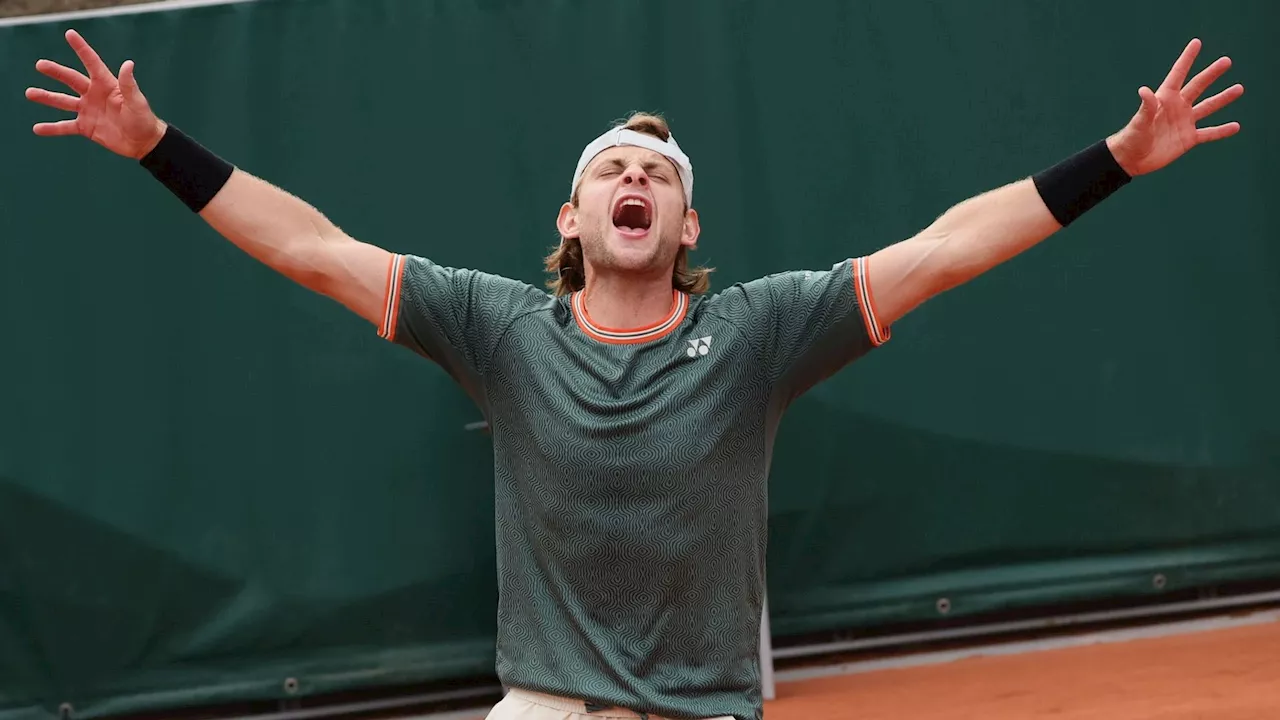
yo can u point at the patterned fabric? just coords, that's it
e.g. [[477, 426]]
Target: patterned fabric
[[631, 469]]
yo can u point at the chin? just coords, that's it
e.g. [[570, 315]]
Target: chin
[[634, 255], [634, 259]]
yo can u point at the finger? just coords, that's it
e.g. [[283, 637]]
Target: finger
[[129, 83], [73, 79], [55, 129], [1147, 112], [1178, 73], [92, 63], [1217, 132], [1205, 78], [59, 101], [1209, 106]]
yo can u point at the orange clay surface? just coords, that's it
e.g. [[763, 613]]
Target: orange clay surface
[[1229, 674]]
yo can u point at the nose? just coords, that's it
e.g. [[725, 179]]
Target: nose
[[635, 175]]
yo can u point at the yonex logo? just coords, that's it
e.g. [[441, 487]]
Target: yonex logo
[[701, 346]]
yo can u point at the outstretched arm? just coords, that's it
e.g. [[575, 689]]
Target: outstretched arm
[[300, 243], [993, 227], [266, 222]]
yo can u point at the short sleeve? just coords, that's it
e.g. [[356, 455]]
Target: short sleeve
[[455, 317], [808, 324]]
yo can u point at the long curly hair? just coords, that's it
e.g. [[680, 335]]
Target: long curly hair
[[565, 264]]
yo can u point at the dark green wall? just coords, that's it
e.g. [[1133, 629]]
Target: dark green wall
[[211, 480]]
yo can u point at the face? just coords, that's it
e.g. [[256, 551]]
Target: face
[[631, 216]]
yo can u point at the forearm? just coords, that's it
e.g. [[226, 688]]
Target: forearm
[[986, 230], [277, 228], [273, 226], [971, 238]]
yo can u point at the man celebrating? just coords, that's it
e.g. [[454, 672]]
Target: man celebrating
[[632, 414]]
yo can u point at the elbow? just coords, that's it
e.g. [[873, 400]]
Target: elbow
[[938, 266], [954, 255], [951, 272], [314, 261]]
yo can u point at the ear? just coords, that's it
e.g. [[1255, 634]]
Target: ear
[[689, 237], [567, 221]]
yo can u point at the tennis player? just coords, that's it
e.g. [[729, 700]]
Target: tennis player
[[633, 414]]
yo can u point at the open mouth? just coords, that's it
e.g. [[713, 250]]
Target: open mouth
[[632, 215]]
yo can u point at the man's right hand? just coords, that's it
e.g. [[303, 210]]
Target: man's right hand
[[109, 111]]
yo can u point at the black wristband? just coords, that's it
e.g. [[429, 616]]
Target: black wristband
[[188, 169], [1072, 187]]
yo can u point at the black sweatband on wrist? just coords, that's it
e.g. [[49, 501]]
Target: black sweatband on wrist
[[188, 169], [1072, 187]]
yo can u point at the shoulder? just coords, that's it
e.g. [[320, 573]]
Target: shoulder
[[538, 311], [483, 289], [424, 268], [765, 293]]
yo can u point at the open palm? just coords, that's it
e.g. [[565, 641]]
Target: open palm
[[109, 111], [1164, 128]]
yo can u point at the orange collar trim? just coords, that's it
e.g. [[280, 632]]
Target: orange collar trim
[[679, 307]]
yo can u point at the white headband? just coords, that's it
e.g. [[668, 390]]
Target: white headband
[[622, 136]]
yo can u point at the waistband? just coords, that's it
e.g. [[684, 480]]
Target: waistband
[[570, 705]]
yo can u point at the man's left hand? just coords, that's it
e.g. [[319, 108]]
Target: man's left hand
[[1164, 128]]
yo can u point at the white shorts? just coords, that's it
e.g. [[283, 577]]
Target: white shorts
[[525, 705]]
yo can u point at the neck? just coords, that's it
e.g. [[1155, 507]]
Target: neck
[[625, 303]]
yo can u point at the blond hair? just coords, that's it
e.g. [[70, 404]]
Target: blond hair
[[568, 271]]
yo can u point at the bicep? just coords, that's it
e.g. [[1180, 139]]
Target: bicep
[[903, 276], [296, 240], [356, 274], [966, 241]]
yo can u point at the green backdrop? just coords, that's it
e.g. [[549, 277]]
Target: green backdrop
[[211, 480]]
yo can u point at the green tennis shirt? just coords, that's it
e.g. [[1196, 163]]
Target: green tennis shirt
[[631, 467]]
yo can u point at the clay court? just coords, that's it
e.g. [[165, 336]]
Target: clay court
[[1218, 668], [1230, 673]]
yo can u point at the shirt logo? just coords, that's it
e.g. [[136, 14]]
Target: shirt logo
[[701, 346]]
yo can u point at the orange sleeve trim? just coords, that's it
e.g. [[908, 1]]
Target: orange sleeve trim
[[391, 298], [878, 333]]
